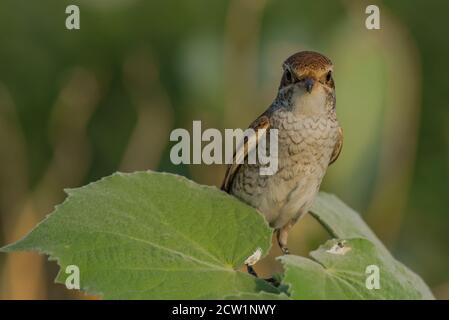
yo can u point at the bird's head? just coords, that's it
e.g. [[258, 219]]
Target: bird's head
[[308, 77]]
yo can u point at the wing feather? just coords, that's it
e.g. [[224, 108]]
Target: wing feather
[[338, 146], [242, 151]]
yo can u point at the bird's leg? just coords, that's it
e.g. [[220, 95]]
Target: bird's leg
[[282, 237]]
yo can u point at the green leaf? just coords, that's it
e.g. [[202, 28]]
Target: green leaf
[[339, 268], [341, 273], [342, 221], [150, 235]]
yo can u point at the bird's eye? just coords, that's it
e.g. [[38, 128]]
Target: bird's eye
[[329, 76], [288, 76]]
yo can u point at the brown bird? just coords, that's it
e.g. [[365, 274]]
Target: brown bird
[[309, 140]]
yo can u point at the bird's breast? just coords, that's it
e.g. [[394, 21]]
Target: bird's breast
[[305, 144]]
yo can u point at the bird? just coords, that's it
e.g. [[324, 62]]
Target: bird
[[309, 140]]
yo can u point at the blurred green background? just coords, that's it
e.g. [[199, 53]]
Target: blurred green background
[[78, 105]]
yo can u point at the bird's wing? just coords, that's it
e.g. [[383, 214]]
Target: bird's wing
[[242, 151], [338, 146]]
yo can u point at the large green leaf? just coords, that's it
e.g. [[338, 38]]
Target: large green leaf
[[338, 269], [339, 272], [153, 235], [161, 236]]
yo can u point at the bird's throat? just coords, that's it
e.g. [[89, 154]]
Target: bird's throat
[[313, 103]]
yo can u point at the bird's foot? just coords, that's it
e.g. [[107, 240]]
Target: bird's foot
[[282, 235], [285, 250]]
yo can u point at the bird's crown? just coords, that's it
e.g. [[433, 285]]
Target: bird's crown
[[307, 61]]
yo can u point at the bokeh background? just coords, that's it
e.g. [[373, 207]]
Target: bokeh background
[[79, 105]]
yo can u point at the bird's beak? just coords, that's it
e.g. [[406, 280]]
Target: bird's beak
[[308, 84]]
